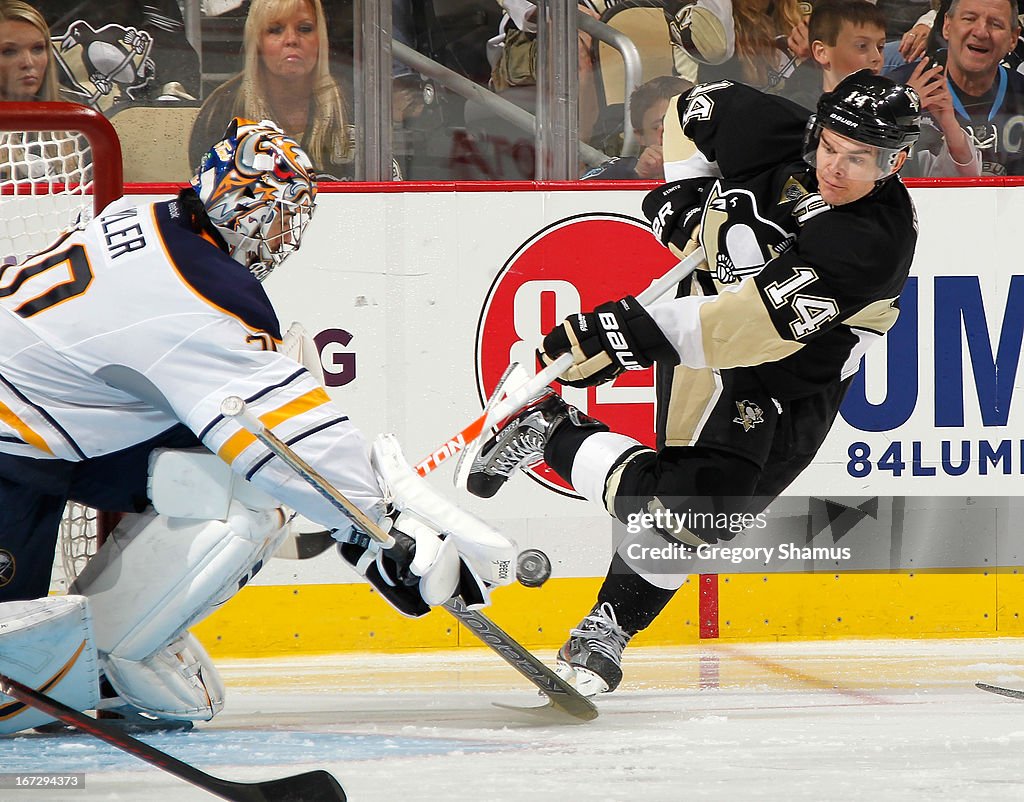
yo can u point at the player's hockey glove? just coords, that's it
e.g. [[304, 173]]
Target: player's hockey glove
[[675, 210], [421, 570], [615, 337]]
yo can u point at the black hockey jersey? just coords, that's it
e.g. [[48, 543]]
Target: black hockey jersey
[[119, 51], [795, 287]]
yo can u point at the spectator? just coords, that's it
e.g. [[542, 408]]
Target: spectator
[[647, 108], [27, 73], [112, 52], [27, 70], [744, 41], [285, 78], [513, 55], [849, 35], [915, 38], [987, 98]]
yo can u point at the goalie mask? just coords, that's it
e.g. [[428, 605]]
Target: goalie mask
[[872, 110], [257, 187]]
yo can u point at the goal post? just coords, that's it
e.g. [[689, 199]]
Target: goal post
[[60, 164]]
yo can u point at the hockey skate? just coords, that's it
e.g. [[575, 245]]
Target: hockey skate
[[519, 443], [592, 657]]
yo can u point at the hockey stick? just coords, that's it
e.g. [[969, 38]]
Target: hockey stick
[[561, 693], [517, 396], [1011, 693], [312, 786]]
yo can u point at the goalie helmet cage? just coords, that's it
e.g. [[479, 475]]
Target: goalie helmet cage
[[60, 164]]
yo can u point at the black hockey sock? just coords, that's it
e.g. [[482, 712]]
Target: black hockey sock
[[565, 440], [635, 600]]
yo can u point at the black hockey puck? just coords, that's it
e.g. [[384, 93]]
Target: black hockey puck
[[533, 568]]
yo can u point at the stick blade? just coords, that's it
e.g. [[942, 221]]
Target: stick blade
[[313, 786], [1010, 693], [546, 713]]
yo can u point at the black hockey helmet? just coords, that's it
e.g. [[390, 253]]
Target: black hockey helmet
[[871, 109]]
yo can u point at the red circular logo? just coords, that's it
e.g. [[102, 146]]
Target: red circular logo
[[572, 266]]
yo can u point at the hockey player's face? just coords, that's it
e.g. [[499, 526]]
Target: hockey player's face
[[980, 33], [847, 170], [289, 46], [24, 54], [857, 47]]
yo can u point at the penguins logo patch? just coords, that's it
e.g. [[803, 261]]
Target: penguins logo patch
[[737, 240], [103, 67], [750, 415], [6, 567]]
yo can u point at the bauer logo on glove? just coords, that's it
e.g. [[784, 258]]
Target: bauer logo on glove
[[615, 337]]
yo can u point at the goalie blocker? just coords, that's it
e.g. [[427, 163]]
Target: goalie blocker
[[440, 550]]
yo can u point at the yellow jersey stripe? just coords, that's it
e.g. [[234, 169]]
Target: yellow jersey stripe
[[23, 429], [242, 439]]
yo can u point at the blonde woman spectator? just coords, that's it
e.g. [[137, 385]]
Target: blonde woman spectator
[[286, 79], [27, 70], [27, 74], [743, 40]]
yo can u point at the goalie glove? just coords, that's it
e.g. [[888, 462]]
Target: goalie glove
[[441, 550], [616, 337], [420, 571], [675, 211]]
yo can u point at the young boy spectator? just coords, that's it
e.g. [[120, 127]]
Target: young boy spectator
[[647, 108], [849, 35]]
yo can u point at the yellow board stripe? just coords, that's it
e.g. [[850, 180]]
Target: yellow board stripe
[[242, 439], [262, 621], [23, 429]]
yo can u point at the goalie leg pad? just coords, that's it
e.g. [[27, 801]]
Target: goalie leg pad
[[156, 576], [178, 681], [47, 644]]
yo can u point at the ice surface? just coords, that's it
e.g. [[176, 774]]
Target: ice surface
[[864, 720]]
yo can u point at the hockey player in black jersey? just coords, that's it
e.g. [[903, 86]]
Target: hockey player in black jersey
[[808, 234]]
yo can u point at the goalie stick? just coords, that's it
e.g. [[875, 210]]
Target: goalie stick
[[1008, 692], [562, 695], [518, 395], [312, 786]]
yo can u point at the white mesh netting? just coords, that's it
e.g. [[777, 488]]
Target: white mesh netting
[[45, 188], [78, 540]]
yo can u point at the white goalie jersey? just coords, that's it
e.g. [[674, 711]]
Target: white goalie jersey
[[135, 323]]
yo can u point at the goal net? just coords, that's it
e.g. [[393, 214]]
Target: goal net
[[60, 164]]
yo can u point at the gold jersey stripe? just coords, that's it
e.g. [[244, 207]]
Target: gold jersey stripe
[[26, 432], [755, 340], [242, 439]]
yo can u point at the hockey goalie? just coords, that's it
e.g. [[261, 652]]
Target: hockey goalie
[[117, 346]]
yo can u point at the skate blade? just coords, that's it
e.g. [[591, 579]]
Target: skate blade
[[587, 683], [583, 680]]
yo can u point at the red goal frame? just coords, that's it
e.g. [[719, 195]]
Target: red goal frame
[[108, 172]]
